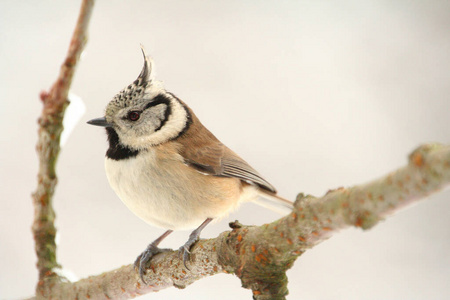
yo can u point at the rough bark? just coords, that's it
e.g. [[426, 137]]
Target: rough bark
[[258, 255], [261, 255], [48, 147]]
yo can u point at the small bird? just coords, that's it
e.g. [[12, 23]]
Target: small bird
[[170, 170]]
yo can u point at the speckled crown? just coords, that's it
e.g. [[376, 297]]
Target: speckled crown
[[134, 93]]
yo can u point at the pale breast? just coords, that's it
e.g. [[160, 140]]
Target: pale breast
[[165, 192]]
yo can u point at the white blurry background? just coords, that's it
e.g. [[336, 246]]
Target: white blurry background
[[314, 94]]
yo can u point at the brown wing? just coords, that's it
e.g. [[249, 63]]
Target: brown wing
[[206, 158], [234, 166], [218, 160], [204, 152]]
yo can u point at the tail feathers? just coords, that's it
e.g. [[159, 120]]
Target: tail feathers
[[274, 203]]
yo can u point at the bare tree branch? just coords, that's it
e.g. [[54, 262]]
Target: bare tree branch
[[50, 128], [260, 255]]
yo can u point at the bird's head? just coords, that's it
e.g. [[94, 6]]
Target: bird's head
[[143, 114]]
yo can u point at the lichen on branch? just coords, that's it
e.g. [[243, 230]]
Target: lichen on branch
[[258, 255], [48, 147], [261, 255]]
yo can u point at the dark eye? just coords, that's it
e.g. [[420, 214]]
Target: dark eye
[[134, 115]]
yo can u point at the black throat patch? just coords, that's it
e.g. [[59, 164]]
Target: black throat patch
[[116, 150]]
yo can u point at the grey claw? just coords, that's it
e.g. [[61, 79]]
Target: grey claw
[[185, 254], [142, 260], [185, 259], [193, 238]]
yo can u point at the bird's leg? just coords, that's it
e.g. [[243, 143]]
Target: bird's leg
[[193, 237], [151, 250]]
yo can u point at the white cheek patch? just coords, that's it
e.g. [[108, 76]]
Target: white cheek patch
[[174, 125]]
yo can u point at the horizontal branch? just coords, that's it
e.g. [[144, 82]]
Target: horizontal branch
[[260, 255]]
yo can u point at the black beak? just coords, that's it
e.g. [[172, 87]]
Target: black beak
[[99, 122]]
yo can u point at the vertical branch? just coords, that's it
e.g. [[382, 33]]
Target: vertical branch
[[49, 133]]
